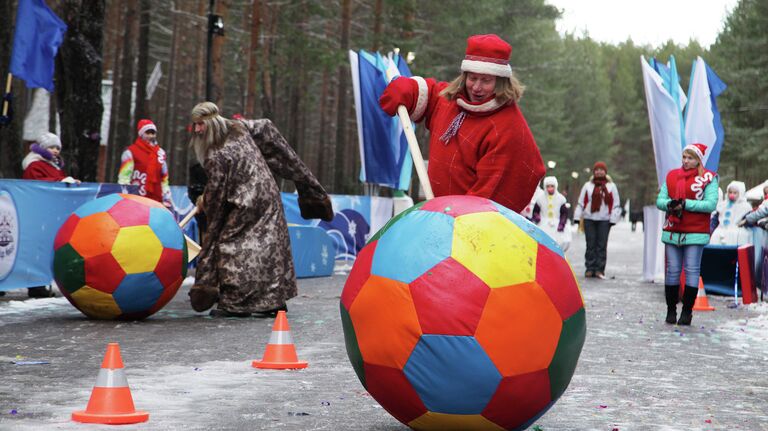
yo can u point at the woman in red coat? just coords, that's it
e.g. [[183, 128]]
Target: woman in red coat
[[480, 143], [43, 161]]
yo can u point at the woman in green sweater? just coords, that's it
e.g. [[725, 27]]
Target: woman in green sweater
[[689, 195]]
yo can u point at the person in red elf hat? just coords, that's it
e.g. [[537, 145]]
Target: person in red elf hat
[[689, 195], [143, 164], [480, 143], [598, 208]]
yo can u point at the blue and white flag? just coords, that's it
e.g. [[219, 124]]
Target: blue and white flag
[[702, 118], [385, 159], [39, 33], [665, 115]]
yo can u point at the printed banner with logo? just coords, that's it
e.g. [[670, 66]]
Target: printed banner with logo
[[31, 213]]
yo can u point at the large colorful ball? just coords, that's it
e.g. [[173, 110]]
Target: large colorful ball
[[120, 257], [460, 314]]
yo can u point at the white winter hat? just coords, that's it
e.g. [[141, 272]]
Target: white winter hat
[[550, 181], [49, 140]]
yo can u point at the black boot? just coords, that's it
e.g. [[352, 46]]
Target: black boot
[[689, 297], [672, 293]]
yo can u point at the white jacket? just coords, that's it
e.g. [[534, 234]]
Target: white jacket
[[584, 204], [729, 214]]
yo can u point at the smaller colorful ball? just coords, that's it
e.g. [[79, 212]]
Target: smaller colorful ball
[[120, 257]]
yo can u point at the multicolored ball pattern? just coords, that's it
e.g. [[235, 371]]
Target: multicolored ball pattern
[[461, 314], [120, 257]]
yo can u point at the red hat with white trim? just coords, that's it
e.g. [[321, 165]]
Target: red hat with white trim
[[145, 125], [698, 149], [487, 54]]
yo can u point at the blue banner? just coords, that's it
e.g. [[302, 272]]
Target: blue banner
[[350, 227], [39, 33], [31, 213]]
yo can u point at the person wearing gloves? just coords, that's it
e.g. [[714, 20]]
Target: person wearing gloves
[[757, 217], [143, 164], [689, 195], [550, 212], [44, 162], [598, 208], [245, 265], [480, 143], [728, 214]]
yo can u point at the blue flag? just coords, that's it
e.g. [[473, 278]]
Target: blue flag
[[385, 159], [39, 33]]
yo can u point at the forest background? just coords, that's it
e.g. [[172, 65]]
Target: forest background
[[287, 60]]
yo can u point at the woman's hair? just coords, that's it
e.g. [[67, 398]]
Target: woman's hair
[[508, 90], [216, 128], [695, 156]]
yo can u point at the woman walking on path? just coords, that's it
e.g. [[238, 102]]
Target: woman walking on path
[[598, 207], [689, 195]]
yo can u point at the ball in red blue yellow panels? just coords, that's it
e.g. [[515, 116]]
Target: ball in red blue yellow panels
[[120, 257], [460, 314]]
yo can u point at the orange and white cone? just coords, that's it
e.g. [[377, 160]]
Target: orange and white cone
[[111, 401], [702, 303], [280, 353]]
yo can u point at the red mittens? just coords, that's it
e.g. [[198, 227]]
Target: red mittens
[[400, 91]]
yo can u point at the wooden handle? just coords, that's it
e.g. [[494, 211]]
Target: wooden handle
[[410, 137], [7, 90], [188, 217], [413, 146]]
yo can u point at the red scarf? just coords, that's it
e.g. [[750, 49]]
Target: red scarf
[[145, 159], [600, 194], [684, 177]]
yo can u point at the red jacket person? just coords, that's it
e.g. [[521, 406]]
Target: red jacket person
[[480, 143], [143, 164]]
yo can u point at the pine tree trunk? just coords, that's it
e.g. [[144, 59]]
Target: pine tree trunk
[[79, 85], [124, 129], [267, 101], [145, 13], [322, 163], [253, 62], [112, 49], [11, 147], [342, 148], [377, 10]]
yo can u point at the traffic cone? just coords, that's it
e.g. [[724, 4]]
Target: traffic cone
[[111, 401], [280, 353], [702, 303]]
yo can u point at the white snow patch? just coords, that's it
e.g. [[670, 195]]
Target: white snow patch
[[749, 332], [16, 307]]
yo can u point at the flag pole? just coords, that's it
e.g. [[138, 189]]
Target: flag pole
[[7, 90], [410, 136]]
